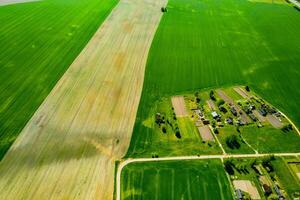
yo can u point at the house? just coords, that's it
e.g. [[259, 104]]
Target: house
[[239, 194], [229, 120], [262, 111], [240, 123], [251, 107], [206, 121], [278, 192], [251, 115], [233, 111], [267, 189], [214, 114]]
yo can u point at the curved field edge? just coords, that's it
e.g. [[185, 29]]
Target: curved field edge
[[212, 44], [39, 41]]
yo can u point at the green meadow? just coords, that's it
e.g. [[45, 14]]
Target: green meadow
[[193, 179], [38, 42], [210, 43]]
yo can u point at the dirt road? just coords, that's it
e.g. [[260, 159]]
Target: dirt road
[[8, 2], [68, 149]]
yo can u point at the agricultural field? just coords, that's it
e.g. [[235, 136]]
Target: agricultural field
[[38, 42], [265, 174], [213, 44], [68, 148], [194, 179]]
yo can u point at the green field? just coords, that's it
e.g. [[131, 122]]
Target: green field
[[38, 42], [201, 44], [270, 140], [175, 180]]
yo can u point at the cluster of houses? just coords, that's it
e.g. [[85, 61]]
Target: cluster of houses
[[201, 117]]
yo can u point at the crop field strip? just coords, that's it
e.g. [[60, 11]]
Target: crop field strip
[[68, 148], [35, 50], [212, 44]]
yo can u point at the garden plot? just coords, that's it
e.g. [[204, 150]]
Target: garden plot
[[87, 119], [274, 121], [205, 133], [211, 104], [247, 186], [241, 92], [179, 106]]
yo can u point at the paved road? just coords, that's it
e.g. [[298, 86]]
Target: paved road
[[128, 161]]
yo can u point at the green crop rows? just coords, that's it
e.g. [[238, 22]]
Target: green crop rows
[[38, 42], [175, 180]]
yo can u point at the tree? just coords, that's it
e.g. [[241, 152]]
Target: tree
[[228, 167], [212, 95], [232, 142], [220, 102], [177, 134], [247, 88]]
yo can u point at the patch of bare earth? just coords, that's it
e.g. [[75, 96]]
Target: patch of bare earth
[[259, 116], [211, 104], [248, 187], [241, 92], [179, 106], [205, 133], [9, 2], [274, 121], [69, 147]]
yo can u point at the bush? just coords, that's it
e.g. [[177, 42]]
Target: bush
[[287, 128], [220, 102], [177, 134], [247, 88], [228, 165], [212, 95], [164, 9]]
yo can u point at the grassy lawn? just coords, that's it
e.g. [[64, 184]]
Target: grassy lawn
[[268, 139], [221, 43], [38, 42], [228, 131], [175, 180]]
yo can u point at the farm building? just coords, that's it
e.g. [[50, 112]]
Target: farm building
[[233, 111], [229, 120], [239, 194]]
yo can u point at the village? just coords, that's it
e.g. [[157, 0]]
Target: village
[[212, 110]]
